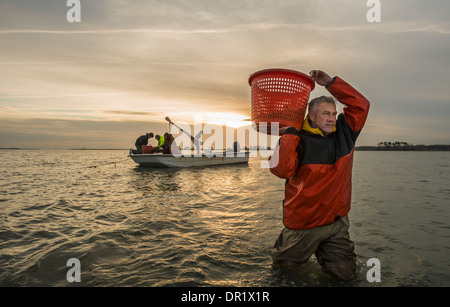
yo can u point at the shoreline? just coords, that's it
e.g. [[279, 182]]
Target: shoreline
[[405, 148], [436, 147]]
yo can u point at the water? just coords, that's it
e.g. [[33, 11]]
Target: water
[[132, 226]]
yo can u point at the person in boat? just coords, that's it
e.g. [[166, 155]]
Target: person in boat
[[317, 165], [140, 141], [168, 142], [236, 147], [160, 140]]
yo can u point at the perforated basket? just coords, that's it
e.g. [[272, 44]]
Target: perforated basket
[[279, 95]]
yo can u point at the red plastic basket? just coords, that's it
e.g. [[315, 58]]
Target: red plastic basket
[[280, 95], [146, 149]]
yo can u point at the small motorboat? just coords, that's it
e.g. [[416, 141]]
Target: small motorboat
[[168, 160], [198, 159]]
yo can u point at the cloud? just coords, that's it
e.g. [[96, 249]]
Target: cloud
[[65, 96], [65, 133], [386, 27], [9, 108], [130, 112], [114, 31]]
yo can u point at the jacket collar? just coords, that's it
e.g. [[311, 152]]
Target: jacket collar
[[309, 128]]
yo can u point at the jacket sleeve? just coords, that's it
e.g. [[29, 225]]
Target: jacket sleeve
[[284, 161], [356, 105]]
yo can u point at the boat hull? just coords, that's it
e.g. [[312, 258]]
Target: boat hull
[[164, 160]]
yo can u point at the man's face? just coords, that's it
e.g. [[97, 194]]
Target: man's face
[[325, 119]]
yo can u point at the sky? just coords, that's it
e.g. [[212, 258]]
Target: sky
[[116, 74]]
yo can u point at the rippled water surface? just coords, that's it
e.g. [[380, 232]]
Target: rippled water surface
[[133, 226]]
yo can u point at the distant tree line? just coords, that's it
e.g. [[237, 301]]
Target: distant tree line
[[404, 146], [395, 145]]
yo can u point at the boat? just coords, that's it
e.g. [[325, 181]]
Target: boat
[[168, 160], [191, 160]]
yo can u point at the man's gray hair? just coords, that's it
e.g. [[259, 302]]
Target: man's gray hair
[[313, 105]]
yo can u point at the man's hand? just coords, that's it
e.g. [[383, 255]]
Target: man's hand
[[282, 130], [320, 77]]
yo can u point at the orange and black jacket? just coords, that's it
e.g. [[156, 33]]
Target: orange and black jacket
[[317, 166]]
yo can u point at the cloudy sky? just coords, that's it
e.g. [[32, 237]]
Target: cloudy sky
[[116, 74]]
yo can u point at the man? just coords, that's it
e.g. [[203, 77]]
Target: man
[[142, 140], [168, 141], [160, 140], [317, 163]]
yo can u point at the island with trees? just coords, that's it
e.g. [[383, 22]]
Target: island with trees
[[400, 146]]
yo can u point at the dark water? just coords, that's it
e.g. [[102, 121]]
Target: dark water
[[132, 226]]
